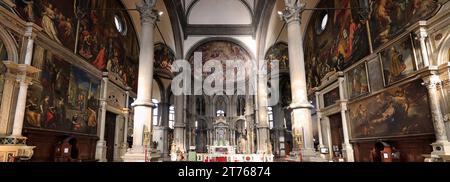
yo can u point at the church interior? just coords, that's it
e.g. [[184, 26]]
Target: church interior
[[350, 81]]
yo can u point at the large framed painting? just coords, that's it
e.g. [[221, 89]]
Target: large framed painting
[[58, 19], [399, 111], [64, 98], [164, 57], [279, 52], [398, 61], [389, 18], [334, 40], [357, 82], [376, 79], [91, 28]]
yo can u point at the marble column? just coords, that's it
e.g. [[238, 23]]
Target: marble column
[[263, 136], [180, 125], [346, 146], [441, 146], [249, 118], [7, 102], [143, 106], [422, 36], [23, 71], [126, 115], [302, 130], [319, 120], [278, 119], [327, 137], [165, 127], [100, 153]]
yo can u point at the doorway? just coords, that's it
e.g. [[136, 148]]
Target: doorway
[[337, 135], [110, 130]]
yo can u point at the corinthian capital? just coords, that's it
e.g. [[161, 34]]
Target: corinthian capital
[[292, 11], [148, 14], [432, 82]]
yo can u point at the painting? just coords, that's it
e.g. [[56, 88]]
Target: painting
[[164, 57], [398, 111], [331, 97], [221, 50], [375, 75], [357, 83], [65, 98], [57, 19], [334, 40], [279, 52], [99, 41], [104, 46], [398, 61], [390, 17]]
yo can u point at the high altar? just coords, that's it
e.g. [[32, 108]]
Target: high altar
[[222, 136], [222, 151]]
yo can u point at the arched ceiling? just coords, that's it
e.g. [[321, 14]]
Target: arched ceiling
[[225, 12], [217, 17]]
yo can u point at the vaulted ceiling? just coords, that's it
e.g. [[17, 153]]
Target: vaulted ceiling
[[217, 17]]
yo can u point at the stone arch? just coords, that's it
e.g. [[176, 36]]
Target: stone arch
[[443, 52], [10, 45]]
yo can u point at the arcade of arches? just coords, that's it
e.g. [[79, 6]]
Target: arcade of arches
[[357, 80]]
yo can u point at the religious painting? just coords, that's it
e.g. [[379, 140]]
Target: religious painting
[[279, 52], [57, 19], [108, 46], [389, 18], [220, 50], [375, 75], [105, 38], [331, 97], [334, 40], [65, 98], [357, 83], [164, 57], [398, 111], [398, 61]]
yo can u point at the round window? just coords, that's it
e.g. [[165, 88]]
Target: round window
[[120, 24], [322, 22]]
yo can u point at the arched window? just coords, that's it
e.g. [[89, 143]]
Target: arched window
[[241, 106], [155, 120], [171, 117], [220, 113], [200, 104], [270, 117]]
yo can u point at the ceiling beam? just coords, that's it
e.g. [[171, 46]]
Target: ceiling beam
[[219, 30]]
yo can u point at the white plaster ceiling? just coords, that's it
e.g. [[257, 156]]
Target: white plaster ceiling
[[224, 12]]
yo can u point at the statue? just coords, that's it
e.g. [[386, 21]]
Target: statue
[[173, 152]]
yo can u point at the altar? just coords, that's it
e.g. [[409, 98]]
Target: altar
[[222, 151]]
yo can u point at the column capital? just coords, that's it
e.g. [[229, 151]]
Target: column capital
[[148, 14], [292, 11], [432, 82], [141, 102], [301, 106], [422, 33]]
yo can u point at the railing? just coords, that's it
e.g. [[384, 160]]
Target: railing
[[235, 157]]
